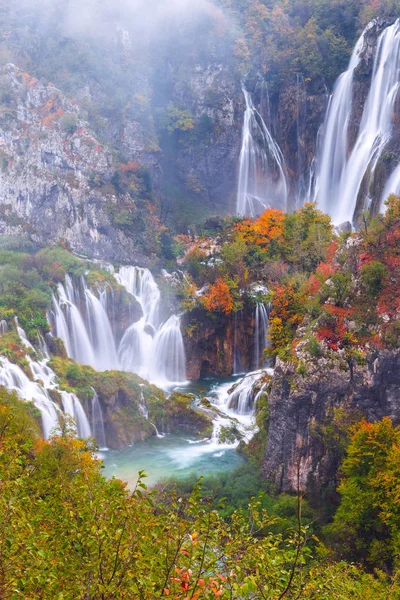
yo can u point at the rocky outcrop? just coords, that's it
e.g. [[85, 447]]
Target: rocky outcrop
[[302, 405], [218, 345], [50, 163], [206, 163]]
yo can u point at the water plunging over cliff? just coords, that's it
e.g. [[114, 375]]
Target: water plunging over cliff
[[260, 333], [13, 378], [262, 181], [151, 348], [343, 181]]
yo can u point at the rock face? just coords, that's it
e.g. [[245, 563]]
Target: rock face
[[218, 346], [207, 165], [301, 405], [49, 159]]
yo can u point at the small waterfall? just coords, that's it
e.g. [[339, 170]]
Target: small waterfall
[[98, 422], [70, 326], [260, 333], [73, 407], [170, 362], [343, 182], [242, 397], [14, 379], [262, 181], [152, 351], [392, 187], [140, 283], [101, 334], [22, 335], [143, 408], [3, 327]]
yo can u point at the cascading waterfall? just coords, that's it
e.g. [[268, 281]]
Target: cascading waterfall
[[73, 407], [13, 378], [242, 398], [332, 147], [260, 333], [392, 187], [262, 181], [153, 351], [302, 183], [101, 335], [150, 348], [97, 421], [170, 352], [342, 181]]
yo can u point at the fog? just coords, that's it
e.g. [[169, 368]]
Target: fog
[[144, 18]]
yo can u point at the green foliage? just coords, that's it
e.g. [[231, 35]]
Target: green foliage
[[314, 347], [366, 524], [68, 532], [175, 119], [373, 276]]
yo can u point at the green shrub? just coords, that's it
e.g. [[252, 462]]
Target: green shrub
[[373, 276]]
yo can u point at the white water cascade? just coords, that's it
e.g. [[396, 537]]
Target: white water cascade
[[260, 333], [13, 378], [262, 181], [97, 421], [241, 397], [332, 149], [74, 409], [343, 181], [151, 348]]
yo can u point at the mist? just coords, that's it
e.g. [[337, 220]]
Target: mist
[[88, 18]]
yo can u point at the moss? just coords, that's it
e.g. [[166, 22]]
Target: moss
[[131, 425], [229, 435], [177, 413], [12, 348]]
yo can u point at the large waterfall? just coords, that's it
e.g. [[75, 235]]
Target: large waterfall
[[343, 180], [262, 181], [332, 150], [151, 347]]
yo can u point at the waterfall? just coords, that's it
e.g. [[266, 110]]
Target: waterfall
[[73, 407], [153, 351], [262, 181], [332, 146], [102, 337], [169, 363], [140, 283], [22, 335], [13, 378], [301, 110], [70, 326], [392, 187], [151, 348], [98, 422], [3, 327], [241, 397], [260, 333], [342, 181]]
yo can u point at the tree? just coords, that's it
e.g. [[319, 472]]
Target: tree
[[366, 526]]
